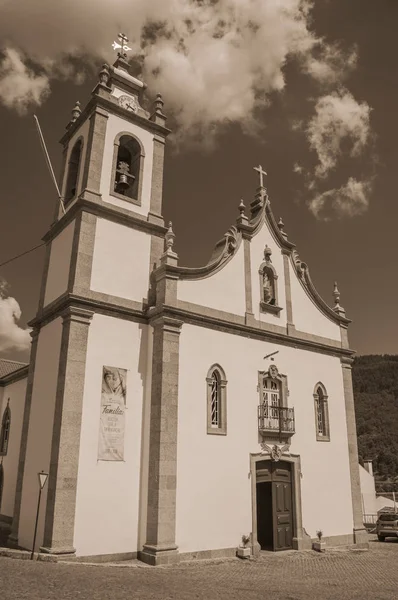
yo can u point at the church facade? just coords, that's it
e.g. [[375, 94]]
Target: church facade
[[175, 410]]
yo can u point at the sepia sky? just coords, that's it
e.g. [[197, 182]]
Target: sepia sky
[[307, 89]]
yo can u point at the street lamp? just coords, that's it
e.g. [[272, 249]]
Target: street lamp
[[42, 482]]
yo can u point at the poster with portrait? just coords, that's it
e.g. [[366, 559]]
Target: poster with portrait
[[112, 419]]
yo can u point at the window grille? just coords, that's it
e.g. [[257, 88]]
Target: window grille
[[321, 414], [5, 431], [215, 399], [271, 396]]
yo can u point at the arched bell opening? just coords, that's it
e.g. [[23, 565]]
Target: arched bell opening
[[73, 171], [128, 167]]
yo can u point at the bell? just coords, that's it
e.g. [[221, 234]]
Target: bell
[[122, 184]]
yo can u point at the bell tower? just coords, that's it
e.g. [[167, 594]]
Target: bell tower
[[113, 149], [100, 255]]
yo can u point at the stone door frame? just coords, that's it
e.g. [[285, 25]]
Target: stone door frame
[[300, 540]]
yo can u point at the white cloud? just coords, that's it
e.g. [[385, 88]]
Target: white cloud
[[349, 200], [19, 86], [330, 64], [12, 337], [340, 128], [338, 118], [215, 61]]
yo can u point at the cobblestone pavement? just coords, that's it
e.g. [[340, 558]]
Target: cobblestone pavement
[[335, 575]]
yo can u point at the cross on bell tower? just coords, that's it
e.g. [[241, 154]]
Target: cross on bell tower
[[122, 47]]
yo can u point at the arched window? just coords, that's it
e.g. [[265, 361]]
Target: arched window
[[268, 284], [1, 483], [5, 431], [216, 401], [73, 171], [321, 413], [128, 165]]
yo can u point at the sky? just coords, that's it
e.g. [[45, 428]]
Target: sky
[[305, 88]]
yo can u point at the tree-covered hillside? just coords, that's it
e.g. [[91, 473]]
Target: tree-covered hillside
[[375, 380]]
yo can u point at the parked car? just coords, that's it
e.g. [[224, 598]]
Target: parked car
[[387, 525]]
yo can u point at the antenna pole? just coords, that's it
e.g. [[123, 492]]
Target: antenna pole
[[48, 162]]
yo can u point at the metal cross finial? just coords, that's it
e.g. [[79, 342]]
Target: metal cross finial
[[123, 44], [261, 172]]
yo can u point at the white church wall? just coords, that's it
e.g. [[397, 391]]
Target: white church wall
[[40, 431], [368, 491], [58, 270], [307, 317], [15, 393], [225, 290], [213, 470], [257, 246], [121, 261], [108, 496], [116, 125]]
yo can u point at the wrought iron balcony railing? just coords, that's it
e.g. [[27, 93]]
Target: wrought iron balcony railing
[[276, 419]]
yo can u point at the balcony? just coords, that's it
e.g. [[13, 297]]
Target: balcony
[[276, 421]]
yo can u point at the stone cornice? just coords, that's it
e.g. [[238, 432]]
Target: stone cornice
[[303, 274], [97, 207], [15, 376], [74, 304], [197, 315], [223, 252], [347, 362], [77, 314], [109, 103], [238, 326], [167, 323]]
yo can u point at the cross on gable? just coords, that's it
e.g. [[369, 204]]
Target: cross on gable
[[261, 172]]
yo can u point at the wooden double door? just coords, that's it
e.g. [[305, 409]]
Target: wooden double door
[[274, 505]]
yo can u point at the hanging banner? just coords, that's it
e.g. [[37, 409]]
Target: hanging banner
[[112, 419]]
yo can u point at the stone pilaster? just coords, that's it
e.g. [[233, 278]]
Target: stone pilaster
[[155, 208], [288, 289], [160, 547], [248, 277], [45, 276], [13, 537], [360, 534], [95, 152], [82, 253], [64, 462]]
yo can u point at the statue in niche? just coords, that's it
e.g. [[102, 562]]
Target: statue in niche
[[268, 288]]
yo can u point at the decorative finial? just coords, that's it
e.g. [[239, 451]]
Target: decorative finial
[[242, 208], [169, 257], [261, 172], [104, 74], [76, 112], [122, 46], [336, 294], [158, 104], [170, 237]]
